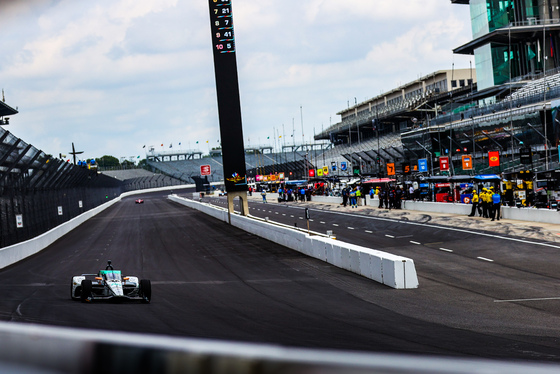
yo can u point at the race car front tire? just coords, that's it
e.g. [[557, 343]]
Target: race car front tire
[[85, 296], [146, 290]]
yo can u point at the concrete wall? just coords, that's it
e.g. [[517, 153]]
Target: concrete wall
[[34, 349], [433, 207], [394, 271], [520, 214]]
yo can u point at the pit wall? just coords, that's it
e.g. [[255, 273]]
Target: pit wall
[[514, 213], [17, 252], [391, 270]]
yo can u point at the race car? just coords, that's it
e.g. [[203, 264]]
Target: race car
[[110, 284], [139, 201]]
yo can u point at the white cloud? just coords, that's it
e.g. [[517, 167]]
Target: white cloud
[[113, 76]]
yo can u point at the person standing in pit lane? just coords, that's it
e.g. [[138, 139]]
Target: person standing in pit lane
[[263, 194], [398, 197], [474, 204], [381, 197], [391, 194], [484, 202], [345, 196], [496, 205], [353, 197]]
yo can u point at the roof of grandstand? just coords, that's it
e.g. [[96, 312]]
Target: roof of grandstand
[[6, 110]]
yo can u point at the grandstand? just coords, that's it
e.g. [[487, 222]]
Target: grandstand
[[514, 104], [294, 161]]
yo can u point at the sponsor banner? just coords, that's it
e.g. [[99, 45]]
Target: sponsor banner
[[494, 158], [444, 163], [467, 162]]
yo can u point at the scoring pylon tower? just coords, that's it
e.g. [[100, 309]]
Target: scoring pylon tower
[[229, 106]]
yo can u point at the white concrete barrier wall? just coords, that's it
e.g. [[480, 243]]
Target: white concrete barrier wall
[[531, 214], [391, 270], [434, 207], [520, 214]]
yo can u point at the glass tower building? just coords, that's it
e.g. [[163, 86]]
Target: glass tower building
[[512, 38]]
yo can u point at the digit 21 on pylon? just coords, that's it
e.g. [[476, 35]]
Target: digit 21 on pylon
[[222, 26]]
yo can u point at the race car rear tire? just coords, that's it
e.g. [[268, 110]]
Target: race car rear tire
[[146, 290], [85, 296]]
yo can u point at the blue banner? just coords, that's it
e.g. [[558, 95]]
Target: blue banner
[[343, 166], [423, 164]]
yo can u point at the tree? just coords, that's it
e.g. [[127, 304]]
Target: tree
[[107, 162], [143, 163], [127, 164]]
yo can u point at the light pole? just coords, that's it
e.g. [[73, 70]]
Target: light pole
[[546, 142]]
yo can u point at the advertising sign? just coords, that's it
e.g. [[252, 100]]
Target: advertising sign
[[406, 168], [312, 173], [525, 154], [19, 221], [467, 162], [325, 170], [333, 166], [205, 170], [423, 165], [444, 163], [494, 158], [319, 172], [343, 166]]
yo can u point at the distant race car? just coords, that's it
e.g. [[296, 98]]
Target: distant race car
[[110, 284], [139, 201], [222, 193]]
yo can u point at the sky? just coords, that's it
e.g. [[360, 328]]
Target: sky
[[116, 77]]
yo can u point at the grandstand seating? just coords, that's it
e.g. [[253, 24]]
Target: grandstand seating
[[536, 87], [285, 162], [128, 173]]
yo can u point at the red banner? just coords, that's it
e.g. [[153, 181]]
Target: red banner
[[205, 170], [494, 158], [312, 173], [444, 163]]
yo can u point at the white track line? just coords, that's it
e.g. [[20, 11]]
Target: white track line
[[518, 300], [440, 228]]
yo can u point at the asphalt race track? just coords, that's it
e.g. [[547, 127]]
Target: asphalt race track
[[479, 295]]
